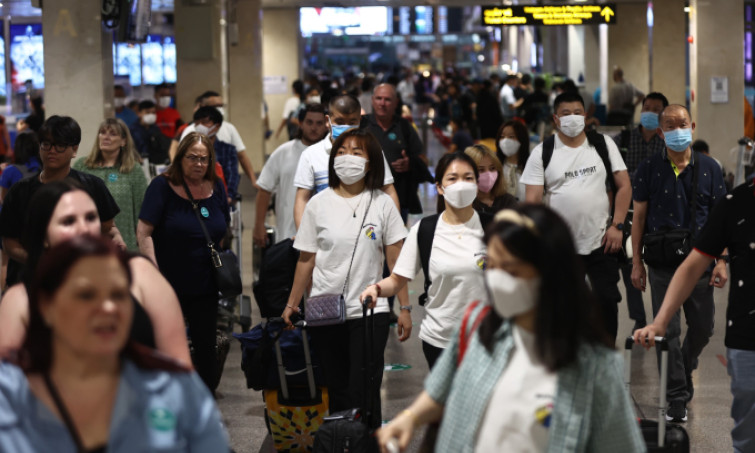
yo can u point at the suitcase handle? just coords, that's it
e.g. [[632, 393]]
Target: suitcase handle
[[302, 324], [368, 348], [662, 344]]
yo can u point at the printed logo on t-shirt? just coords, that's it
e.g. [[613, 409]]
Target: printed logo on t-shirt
[[370, 233], [482, 261], [543, 415], [582, 172]]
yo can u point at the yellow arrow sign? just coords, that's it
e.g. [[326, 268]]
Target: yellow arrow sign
[[607, 13]]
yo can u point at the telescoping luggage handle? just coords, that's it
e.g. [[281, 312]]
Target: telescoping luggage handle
[[302, 324], [660, 342], [367, 352]]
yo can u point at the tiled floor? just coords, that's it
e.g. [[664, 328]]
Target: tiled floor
[[708, 425]]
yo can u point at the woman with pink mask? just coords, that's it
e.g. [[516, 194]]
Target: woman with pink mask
[[491, 187]]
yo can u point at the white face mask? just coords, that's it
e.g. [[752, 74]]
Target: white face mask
[[119, 102], [163, 101], [313, 100], [149, 118], [460, 194], [350, 169], [511, 296], [204, 130], [509, 146], [572, 125]]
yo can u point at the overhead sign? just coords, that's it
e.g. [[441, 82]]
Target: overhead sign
[[550, 15]]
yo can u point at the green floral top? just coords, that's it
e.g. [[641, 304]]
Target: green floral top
[[128, 190]]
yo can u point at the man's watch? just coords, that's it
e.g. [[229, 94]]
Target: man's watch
[[619, 226], [406, 307]]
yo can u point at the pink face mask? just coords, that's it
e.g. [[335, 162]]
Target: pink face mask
[[487, 181]]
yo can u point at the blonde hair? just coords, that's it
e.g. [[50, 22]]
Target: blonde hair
[[478, 153], [126, 156]]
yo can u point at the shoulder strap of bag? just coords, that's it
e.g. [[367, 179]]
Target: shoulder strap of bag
[[465, 336], [353, 252], [211, 245], [548, 144], [64, 413], [598, 141], [693, 198], [425, 236]]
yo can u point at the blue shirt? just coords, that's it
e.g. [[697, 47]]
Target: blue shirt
[[128, 116], [228, 157], [154, 411], [12, 174], [668, 195]]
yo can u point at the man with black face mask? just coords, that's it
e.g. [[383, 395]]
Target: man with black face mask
[[674, 191], [582, 176]]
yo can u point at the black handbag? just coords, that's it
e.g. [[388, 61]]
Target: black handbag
[[225, 265], [330, 309]]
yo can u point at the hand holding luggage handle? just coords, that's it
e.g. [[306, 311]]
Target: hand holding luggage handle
[[307, 357], [660, 342]]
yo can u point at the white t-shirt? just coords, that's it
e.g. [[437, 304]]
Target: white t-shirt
[[329, 228], [278, 176], [511, 176], [456, 272], [290, 106], [507, 99], [312, 171], [227, 133], [519, 412], [576, 187]]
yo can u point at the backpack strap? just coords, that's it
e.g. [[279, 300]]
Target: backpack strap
[[548, 144], [485, 219], [598, 141], [425, 236], [464, 336]]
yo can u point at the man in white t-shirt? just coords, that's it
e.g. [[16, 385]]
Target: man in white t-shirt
[[291, 105], [278, 175], [506, 97], [311, 177], [575, 185], [227, 132]]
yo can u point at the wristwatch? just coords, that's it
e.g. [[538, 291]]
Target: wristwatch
[[406, 307], [619, 226]]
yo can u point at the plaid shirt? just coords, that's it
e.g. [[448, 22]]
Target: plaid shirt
[[637, 150], [592, 411]]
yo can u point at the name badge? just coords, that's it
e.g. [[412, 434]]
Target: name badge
[[205, 212]]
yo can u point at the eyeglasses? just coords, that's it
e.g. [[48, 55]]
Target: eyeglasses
[[59, 147], [204, 160]]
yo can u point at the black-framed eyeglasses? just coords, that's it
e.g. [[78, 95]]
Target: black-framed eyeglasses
[[59, 147], [204, 160]]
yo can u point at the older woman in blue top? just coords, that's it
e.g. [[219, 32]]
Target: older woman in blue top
[[81, 387], [538, 374]]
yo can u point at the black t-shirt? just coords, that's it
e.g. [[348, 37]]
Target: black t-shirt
[[732, 224], [16, 203]]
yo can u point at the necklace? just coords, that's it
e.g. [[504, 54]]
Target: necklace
[[458, 230], [354, 209]]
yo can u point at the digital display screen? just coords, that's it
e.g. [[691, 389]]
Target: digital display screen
[[423, 23], [152, 60], [27, 55], [169, 59], [128, 62], [365, 20]]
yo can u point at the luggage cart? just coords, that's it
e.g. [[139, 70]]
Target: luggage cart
[[227, 308]]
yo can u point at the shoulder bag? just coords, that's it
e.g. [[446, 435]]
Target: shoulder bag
[[225, 265], [330, 309]]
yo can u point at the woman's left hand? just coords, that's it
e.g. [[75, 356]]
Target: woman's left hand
[[371, 292], [404, 325]]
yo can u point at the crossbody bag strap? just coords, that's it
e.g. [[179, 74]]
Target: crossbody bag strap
[[64, 413], [693, 198], [195, 208], [353, 252]]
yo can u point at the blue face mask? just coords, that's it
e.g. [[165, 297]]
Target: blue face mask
[[338, 129], [649, 120], [678, 139]]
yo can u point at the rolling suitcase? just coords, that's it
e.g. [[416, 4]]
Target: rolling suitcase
[[659, 436], [294, 414], [350, 431]]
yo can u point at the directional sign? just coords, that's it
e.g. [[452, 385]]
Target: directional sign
[[582, 14]]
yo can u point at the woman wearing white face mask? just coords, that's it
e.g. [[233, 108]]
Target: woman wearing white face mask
[[491, 187], [513, 149], [538, 374], [452, 239], [342, 236]]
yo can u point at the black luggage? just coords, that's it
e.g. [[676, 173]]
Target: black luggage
[[349, 431], [659, 436], [276, 277]]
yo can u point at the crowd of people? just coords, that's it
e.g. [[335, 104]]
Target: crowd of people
[[108, 271]]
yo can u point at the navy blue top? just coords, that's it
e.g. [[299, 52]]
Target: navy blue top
[[180, 246], [668, 196]]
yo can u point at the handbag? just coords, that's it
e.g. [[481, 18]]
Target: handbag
[[225, 265], [330, 309]]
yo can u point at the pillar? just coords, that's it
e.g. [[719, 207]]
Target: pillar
[[576, 36], [628, 46], [718, 123], [669, 51], [281, 61], [78, 57], [592, 58], [245, 73]]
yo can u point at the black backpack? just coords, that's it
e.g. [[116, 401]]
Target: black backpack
[[276, 278], [425, 236]]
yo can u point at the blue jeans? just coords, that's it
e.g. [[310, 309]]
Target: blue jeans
[[741, 367]]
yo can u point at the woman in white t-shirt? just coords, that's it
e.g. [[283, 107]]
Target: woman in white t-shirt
[[539, 373], [457, 255], [344, 233], [513, 149]]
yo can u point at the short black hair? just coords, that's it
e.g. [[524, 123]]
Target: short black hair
[[207, 94], [700, 146], [161, 86], [567, 96], [539, 83], [60, 130], [25, 147], [311, 107], [298, 87], [211, 113], [345, 104], [657, 96], [510, 78], [375, 178], [146, 104]]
